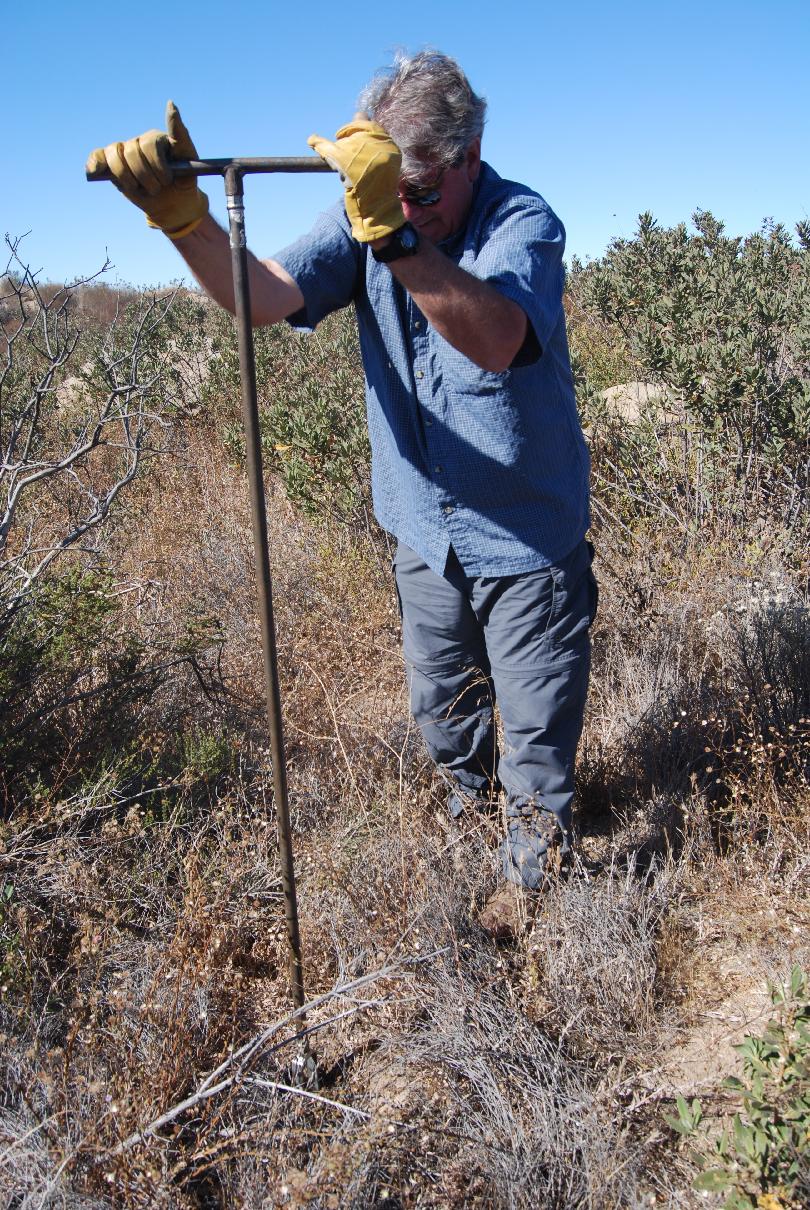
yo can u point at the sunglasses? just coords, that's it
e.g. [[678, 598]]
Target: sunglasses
[[420, 197]]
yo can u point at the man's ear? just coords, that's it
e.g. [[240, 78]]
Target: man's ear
[[472, 159]]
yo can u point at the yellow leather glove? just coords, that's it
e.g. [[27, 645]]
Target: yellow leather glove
[[369, 165], [142, 169]]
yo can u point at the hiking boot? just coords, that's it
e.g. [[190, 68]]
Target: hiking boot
[[535, 849], [507, 913]]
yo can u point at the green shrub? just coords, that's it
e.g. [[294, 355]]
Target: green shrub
[[722, 326], [600, 356], [312, 412], [71, 675], [764, 1159]]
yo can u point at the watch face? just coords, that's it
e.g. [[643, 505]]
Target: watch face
[[404, 242]]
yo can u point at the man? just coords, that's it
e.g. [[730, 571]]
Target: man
[[479, 467]]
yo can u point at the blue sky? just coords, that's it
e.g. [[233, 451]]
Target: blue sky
[[607, 110]]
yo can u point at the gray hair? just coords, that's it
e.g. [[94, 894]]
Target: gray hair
[[425, 103]]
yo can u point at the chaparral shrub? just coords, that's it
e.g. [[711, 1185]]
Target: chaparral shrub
[[719, 328]]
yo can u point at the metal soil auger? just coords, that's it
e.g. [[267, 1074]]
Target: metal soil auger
[[233, 170]]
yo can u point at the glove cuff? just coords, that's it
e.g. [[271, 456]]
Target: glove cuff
[[194, 215], [386, 222], [189, 227]]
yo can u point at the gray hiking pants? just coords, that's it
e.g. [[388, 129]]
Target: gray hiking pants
[[522, 641]]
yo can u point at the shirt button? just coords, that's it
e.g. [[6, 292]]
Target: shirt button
[[438, 469], [428, 420], [448, 508], [417, 323], [420, 373]]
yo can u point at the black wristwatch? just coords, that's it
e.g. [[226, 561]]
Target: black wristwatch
[[404, 242]]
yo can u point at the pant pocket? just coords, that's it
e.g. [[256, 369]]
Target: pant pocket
[[593, 588]]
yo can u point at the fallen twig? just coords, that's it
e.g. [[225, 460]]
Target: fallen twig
[[239, 1060], [311, 1096]]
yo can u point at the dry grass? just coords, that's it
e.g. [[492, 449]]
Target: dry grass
[[142, 941]]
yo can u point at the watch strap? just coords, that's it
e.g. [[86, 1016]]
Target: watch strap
[[403, 242]]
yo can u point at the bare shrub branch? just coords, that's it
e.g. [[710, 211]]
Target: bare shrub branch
[[69, 446]]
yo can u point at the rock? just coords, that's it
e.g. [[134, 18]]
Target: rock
[[631, 400]]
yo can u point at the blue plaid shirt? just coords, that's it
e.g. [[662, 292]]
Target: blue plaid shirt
[[493, 464]]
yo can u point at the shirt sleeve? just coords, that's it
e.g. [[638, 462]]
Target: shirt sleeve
[[522, 257], [325, 265]]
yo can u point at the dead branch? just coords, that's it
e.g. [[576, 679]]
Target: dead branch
[[91, 447], [239, 1062]]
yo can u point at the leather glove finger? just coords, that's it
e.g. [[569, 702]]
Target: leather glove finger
[[147, 160], [180, 141]]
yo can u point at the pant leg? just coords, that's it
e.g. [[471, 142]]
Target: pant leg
[[448, 671], [536, 628]]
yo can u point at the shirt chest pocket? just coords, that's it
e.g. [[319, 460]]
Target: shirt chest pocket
[[487, 425], [463, 376]]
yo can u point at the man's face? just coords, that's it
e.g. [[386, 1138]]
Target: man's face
[[455, 185]]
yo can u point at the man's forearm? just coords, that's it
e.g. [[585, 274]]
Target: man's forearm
[[470, 314], [207, 252]]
